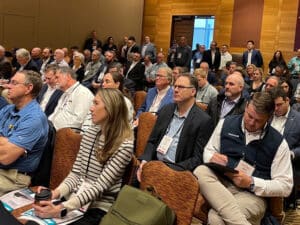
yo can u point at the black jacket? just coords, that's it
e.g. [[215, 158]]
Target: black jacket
[[195, 133], [215, 106]]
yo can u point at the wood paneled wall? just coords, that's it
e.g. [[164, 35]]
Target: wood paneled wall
[[277, 32], [57, 23]]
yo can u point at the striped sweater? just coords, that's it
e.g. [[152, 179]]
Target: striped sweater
[[106, 178]]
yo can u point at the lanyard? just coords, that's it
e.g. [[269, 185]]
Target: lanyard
[[90, 154], [179, 128]]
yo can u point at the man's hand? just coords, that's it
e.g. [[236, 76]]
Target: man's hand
[[139, 171], [219, 158], [240, 179]]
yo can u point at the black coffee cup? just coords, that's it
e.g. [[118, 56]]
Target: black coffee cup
[[43, 195]]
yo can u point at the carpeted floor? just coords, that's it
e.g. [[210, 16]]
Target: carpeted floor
[[292, 218]]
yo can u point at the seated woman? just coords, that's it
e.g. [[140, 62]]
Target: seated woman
[[287, 88], [78, 65], [249, 73], [100, 164], [256, 83], [109, 45], [276, 61]]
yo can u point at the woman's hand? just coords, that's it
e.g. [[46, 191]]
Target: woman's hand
[[139, 171], [54, 193], [46, 209]]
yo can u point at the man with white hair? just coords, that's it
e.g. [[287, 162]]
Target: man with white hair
[[93, 66], [24, 61], [5, 66], [74, 104], [59, 60]]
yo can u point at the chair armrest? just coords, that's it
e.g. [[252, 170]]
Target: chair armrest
[[275, 205], [201, 209]]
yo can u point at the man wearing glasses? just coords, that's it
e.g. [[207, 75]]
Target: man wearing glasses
[[159, 96], [23, 132], [181, 131]]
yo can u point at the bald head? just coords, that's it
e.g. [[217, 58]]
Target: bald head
[[59, 55], [234, 85], [204, 66]]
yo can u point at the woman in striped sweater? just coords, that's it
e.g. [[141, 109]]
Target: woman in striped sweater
[[97, 173]]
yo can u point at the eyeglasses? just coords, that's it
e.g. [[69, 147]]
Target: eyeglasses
[[180, 87], [15, 83], [160, 76]]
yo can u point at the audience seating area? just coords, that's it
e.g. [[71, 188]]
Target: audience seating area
[[66, 148], [186, 202]]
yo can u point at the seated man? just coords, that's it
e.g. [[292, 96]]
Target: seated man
[[230, 102], [181, 131], [24, 61], [23, 132], [74, 104], [49, 95], [159, 96], [59, 58], [206, 92], [271, 82], [260, 155], [287, 122]]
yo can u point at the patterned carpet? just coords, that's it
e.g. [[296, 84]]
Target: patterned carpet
[[292, 217]]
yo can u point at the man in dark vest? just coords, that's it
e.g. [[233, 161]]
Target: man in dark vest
[[261, 157]]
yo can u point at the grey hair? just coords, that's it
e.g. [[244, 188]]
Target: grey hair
[[24, 53], [67, 70]]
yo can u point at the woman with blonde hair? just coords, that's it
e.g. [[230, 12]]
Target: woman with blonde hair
[[104, 153], [256, 83]]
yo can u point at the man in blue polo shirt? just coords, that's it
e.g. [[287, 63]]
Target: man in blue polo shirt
[[23, 132]]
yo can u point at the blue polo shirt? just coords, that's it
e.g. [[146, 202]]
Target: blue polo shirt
[[28, 129]]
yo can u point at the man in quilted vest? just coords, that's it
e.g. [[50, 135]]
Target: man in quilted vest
[[259, 154]]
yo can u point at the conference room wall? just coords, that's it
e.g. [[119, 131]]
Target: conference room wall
[[64, 23]]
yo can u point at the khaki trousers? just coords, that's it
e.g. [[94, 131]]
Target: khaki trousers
[[230, 204], [11, 180]]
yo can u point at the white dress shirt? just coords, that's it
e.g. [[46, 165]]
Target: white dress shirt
[[281, 169], [46, 97], [72, 107], [278, 122]]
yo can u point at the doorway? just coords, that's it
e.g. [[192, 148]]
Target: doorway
[[197, 29]]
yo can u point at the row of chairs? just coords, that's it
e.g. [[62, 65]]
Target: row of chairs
[[186, 202]]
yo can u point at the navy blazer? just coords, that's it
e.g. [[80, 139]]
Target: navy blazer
[[256, 58], [292, 132], [195, 133], [51, 105], [31, 65], [168, 98]]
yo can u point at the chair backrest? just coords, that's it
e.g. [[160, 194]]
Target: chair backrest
[[146, 123], [178, 189], [130, 171], [42, 175], [139, 99], [66, 147]]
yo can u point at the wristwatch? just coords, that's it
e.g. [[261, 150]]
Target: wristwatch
[[63, 212], [251, 188]]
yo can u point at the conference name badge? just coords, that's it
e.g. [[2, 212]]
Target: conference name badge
[[164, 145]]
